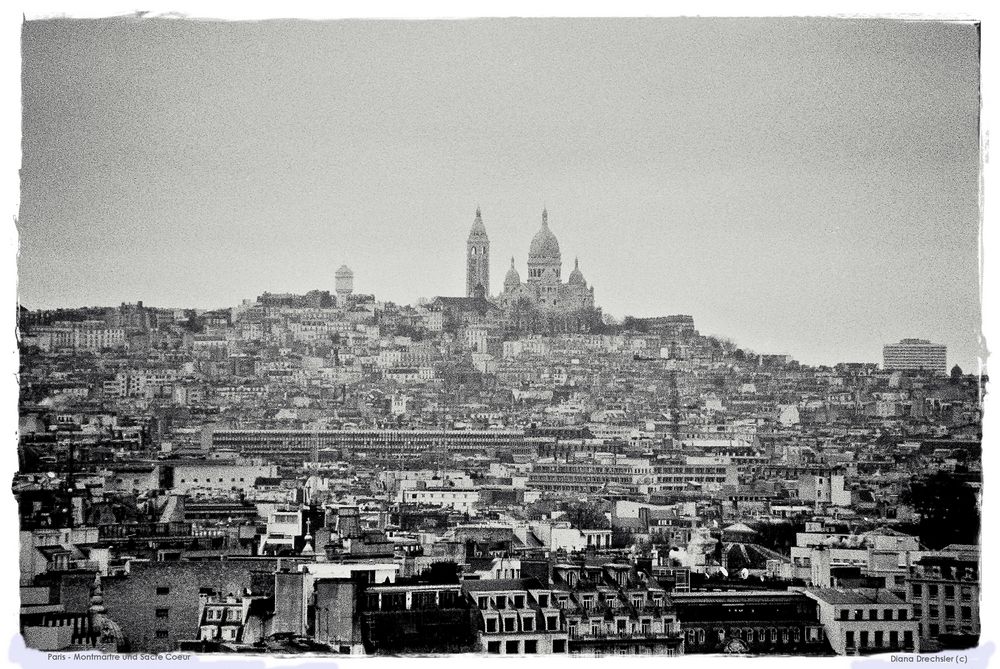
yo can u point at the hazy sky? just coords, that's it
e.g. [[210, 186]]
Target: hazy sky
[[801, 186]]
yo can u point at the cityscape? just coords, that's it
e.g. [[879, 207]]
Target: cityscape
[[517, 468]]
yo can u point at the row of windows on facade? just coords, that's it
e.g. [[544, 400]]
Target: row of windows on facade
[[212, 633], [934, 629], [697, 636], [878, 638], [873, 614], [550, 624], [597, 629], [516, 601], [529, 647], [949, 591], [587, 602], [934, 612], [218, 614]]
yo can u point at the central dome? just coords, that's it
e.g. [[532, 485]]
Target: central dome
[[544, 245]]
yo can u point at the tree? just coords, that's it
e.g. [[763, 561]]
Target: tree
[[949, 511], [586, 516], [956, 374]]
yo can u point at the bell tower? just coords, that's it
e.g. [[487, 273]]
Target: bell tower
[[477, 259]]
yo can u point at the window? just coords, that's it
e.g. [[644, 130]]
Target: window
[[878, 639], [528, 625], [559, 645], [872, 614], [949, 612], [934, 611], [513, 647], [493, 647], [902, 614], [484, 603], [501, 602], [163, 590], [553, 622], [509, 625], [908, 639], [844, 615], [864, 639], [967, 612], [491, 625], [918, 590], [849, 639], [518, 601], [949, 592], [162, 613], [894, 639], [162, 634], [530, 647], [932, 590], [543, 600], [933, 629], [886, 614]]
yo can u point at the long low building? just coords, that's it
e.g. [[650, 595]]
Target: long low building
[[591, 475], [378, 445]]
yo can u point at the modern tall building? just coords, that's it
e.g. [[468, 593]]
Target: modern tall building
[[477, 260], [912, 355]]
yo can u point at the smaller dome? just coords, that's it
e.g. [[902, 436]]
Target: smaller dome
[[576, 276], [344, 271], [513, 279]]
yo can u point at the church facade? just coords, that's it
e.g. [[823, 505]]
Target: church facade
[[543, 302]]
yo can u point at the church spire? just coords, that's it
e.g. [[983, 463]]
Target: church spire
[[545, 217], [477, 258]]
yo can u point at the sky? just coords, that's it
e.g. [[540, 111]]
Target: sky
[[800, 186]]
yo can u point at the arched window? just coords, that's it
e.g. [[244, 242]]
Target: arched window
[[474, 250]]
